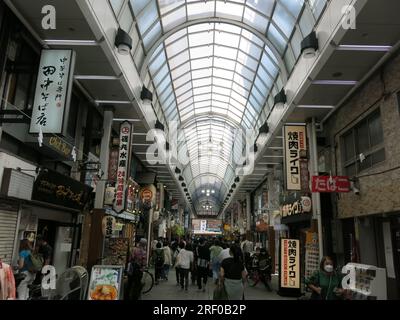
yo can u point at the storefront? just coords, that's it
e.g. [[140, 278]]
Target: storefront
[[49, 205], [375, 240]]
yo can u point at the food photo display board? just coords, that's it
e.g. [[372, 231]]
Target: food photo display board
[[105, 283]]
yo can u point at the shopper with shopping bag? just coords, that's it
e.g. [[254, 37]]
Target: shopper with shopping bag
[[233, 274]]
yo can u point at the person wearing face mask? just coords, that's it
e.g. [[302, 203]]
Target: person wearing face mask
[[326, 283]]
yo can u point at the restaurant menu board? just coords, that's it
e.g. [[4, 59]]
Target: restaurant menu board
[[312, 254], [365, 282], [115, 251], [105, 283]]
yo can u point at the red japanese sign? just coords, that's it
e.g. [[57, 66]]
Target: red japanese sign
[[327, 184]]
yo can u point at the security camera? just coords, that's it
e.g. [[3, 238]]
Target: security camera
[[356, 191], [354, 187]]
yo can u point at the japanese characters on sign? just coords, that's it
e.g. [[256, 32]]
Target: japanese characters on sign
[[327, 184], [123, 165], [312, 259], [301, 206], [53, 91], [290, 263], [108, 226], [295, 146]]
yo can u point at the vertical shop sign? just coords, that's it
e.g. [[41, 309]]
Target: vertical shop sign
[[295, 147], [290, 264], [53, 91], [123, 165], [108, 226], [312, 254], [113, 164]]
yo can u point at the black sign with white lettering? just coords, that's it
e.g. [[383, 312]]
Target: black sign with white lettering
[[53, 187]]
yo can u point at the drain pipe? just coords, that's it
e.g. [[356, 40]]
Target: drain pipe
[[316, 197]]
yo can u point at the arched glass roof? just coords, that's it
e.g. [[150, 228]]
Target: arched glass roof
[[215, 65]]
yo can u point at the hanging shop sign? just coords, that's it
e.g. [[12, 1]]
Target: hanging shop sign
[[123, 165], [109, 196], [298, 207], [17, 184], [304, 176], [53, 92], [92, 171], [158, 199], [113, 164], [329, 184], [289, 267], [295, 150], [131, 196], [60, 146], [108, 226], [53, 187], [312, 254]]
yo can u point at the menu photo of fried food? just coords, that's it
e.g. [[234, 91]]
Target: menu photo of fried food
[[104, 292]]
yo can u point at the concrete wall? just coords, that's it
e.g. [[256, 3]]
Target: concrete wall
[[380, 192]]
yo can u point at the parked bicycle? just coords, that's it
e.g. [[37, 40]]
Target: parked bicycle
[[147, 281], [259, 270]]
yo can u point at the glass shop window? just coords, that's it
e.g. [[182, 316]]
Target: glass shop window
[[363, 145], [19, 78]]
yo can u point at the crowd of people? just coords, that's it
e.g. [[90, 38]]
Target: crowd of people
[[197, 260]]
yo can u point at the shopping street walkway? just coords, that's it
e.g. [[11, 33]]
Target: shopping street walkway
[[168, 290]]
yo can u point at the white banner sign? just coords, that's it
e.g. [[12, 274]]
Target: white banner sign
[[295, 143], [290, 263], [123, 165], [53, 91]]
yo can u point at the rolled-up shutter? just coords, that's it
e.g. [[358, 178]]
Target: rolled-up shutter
[[8, 227]]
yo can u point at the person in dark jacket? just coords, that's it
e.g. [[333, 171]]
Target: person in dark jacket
[[265, 267], [203, 264]]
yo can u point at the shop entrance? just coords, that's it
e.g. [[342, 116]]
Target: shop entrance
[[396, 253], [59, 236]]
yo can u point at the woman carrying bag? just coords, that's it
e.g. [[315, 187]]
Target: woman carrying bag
[[233, 275]]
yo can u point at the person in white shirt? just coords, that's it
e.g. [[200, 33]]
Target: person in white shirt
[[184, 261], [167, 260], [225, 253]]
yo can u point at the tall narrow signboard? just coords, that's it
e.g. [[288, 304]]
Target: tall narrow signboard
[[53, 92], [123, 165]]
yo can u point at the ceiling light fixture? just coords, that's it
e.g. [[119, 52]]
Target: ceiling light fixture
[[335, 82], [129, 120], [314, 107], [123, 42], [159, 126], [95, 77], [347, 47], [58, 42], [309, 46], [112, 102], [146, 95], [280, 99]]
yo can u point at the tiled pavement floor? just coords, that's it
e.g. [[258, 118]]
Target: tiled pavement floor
[[168, 290]]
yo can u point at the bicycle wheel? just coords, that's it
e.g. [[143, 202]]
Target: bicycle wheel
[[147, 281], [252, 279]]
